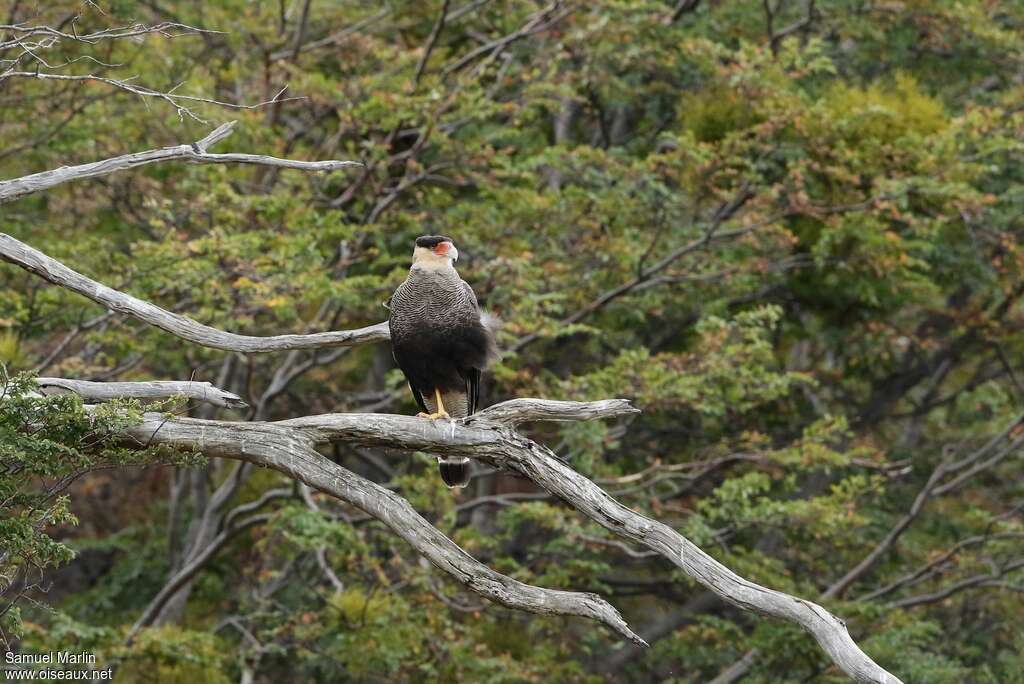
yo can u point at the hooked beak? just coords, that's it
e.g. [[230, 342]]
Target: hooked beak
[[453, 253]]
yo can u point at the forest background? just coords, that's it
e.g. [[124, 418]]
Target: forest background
[[789, 231]]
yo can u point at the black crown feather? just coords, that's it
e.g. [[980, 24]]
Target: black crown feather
[[431, 241]]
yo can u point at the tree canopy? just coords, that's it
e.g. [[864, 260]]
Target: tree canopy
[[787, 230]]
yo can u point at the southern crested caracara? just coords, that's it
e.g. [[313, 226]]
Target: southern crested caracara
[[439, 340]]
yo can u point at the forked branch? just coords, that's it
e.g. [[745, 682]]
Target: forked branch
[[195, 153], [34, 261], [155, 389], [288, 446], [291, 450]]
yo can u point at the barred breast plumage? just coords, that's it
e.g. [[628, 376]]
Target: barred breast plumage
[[432, 301], [439, 340]]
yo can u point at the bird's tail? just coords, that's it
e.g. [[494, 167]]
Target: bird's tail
[[454, 471]]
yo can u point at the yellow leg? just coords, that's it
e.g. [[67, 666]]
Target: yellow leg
[[440, 413]]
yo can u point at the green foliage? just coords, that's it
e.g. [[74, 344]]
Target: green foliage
[[46, 442], [170, 654], [800, 257]]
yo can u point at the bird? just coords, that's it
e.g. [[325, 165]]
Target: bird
[[440, 340]]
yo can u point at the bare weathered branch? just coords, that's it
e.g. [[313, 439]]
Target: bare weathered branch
[[155, 389], [195, 153], [516, 411], [33, 42], [500, 447], [34, 261], [169, 96], [167, 29], [291, 451], [287, 446]]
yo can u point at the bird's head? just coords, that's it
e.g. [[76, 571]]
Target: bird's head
[[434, 251]]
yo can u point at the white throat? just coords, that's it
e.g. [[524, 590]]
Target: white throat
[[426, 260], [433, 267]]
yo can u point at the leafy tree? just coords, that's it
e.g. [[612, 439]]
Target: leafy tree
[[789, 231]]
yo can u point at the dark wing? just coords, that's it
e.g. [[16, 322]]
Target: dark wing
[[473, 374], [418, 396], [473, 389], [471, 294], [416, 393]]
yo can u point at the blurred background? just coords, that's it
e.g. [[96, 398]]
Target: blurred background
[[789, 230]]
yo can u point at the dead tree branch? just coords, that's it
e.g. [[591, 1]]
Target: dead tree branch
[[34, 261], [290, 449], [169, 96], [288, 446], [167, 29], [517, 411], [195, 153], [32, 43], [155, 389]]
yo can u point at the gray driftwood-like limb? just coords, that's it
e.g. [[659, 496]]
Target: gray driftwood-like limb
[[540, 465], [287, 446], [291, 451], [194, 152], [499, 446], [154, 389], [517, 411], [34, 261]]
